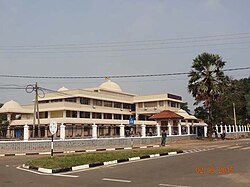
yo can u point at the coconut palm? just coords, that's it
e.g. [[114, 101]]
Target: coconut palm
[[207, 82]]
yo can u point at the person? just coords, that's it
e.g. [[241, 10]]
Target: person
[[223, 135], [163, 138]]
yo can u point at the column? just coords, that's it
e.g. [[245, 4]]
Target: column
[[216, 128], [62, 131], [8, 132], [46, 131], [230, 130], [233, 128], [245, 128], [158, 130], [179, 129], [221, 128], [236, 128], [169, 129], [239, 128], [94, 131], [205, 131], [143, 131], [226, 129], [25, 132], [121, 131], [188, 129]]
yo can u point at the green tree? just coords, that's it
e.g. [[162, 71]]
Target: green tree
[[184, 106], [207, 82]]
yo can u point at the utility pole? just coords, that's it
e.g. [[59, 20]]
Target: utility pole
[[235, 124], [36, 113]]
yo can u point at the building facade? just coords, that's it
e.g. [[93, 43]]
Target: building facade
[[106, 106]]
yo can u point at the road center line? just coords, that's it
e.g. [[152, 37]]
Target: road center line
[[172, 185], [115, 180]]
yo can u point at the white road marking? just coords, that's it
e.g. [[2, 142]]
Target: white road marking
[[234, 147], [38, 173], [116, 180], [222, 146], [172, 185], [245, 148]]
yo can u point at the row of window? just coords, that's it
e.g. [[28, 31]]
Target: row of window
[[161, 104], [96, 102], [95, 115]]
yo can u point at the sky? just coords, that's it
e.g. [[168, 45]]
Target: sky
[[118, 37]]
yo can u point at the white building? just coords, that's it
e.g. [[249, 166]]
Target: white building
[[106, 106]]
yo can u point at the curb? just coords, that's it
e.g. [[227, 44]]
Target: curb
[[78, 151], [87, 166]]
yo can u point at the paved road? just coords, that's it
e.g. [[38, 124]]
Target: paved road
[[228, 164]]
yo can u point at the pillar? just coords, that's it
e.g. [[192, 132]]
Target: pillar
[[221, 128], [188, 129], [94, 131], [205, 131], [233, 128], [216, 128], [236, 128], [158, 129], [143, 130], [226, 129], [230, 130], [8, 132], [121, 131], [62, 132], [25, 132], [169, 129], [245, 128], [179, 129], [46, 131]]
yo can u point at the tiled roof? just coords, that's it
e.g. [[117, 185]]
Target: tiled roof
[[166, 114]]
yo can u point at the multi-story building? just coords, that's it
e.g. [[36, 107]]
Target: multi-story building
[[106, 106]]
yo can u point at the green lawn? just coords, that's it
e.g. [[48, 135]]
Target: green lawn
[[67, 161]]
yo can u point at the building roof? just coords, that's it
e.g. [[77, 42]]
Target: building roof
[[62, 89], [13, 107], [111, 86], [185, 115], [166, 114]]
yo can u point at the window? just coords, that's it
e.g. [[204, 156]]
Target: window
[[71, 100], [84, 101], [126, 106], [71, 114], [173, 104], [56, 100], [84, 114], [150, 104], [126, 117], [107, 103], [117, 116], [97, 102], [107, 116], [140, 105], [117, 105], [161, 103], [96, 115], [41, 102], [56, 114]]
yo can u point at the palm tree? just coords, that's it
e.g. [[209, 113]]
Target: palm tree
[[207, 82]]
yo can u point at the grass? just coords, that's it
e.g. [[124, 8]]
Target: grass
[[67, 161]]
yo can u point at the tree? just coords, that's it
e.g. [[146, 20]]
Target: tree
[[207, 82], [184, 106]]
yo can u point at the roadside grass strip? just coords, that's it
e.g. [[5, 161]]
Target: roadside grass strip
[[79, 151], [76, 162]]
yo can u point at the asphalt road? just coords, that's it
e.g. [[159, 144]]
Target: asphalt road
[[226, 165]]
